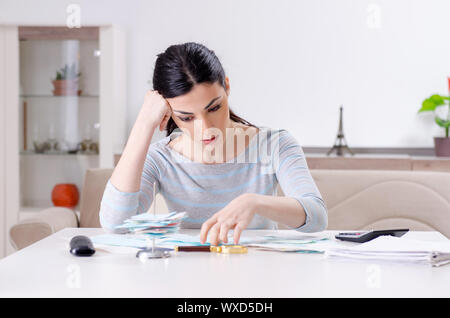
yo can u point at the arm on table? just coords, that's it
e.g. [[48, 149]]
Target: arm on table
[[302, 207]]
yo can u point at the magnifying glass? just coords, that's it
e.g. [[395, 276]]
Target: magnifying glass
[[165, 252], [153, 253]]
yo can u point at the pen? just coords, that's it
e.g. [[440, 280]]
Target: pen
[[224, 249], [197, 249]]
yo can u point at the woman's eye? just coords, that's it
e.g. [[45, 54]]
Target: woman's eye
[[214, 108]]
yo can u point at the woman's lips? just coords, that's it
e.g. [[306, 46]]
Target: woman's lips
[[207, 141]]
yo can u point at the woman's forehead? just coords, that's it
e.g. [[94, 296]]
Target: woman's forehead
[[198, 98]]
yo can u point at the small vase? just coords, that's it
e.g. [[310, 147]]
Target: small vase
[[442, 146], [66, 87], [65, 195]]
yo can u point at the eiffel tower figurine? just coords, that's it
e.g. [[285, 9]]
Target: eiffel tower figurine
[[340, 144]]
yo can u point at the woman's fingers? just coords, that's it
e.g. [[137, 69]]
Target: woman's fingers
[[163, 124], [235, 215], [165, 120], [224, 228], [237, 232], [217, 231], [205, 229], [214, 234]]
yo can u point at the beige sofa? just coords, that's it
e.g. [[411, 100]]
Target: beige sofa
[[356, 200]]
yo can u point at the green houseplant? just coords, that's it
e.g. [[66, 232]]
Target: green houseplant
[[66, 81], [440, 105]]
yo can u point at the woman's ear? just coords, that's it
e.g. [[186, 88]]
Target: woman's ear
[[227, 85]]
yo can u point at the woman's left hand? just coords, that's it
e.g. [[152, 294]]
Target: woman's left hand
[[236, 216]]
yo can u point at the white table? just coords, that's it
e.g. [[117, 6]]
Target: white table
[[47, 269]]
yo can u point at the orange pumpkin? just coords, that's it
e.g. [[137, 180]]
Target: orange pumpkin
[[65, 195]]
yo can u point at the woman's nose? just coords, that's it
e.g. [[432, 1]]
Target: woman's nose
[[206, 124]]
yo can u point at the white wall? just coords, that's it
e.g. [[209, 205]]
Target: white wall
[[291, 63]]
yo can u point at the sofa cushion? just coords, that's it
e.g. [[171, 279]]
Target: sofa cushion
[[380, 199]]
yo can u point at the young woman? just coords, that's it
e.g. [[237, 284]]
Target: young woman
[[219, 168]]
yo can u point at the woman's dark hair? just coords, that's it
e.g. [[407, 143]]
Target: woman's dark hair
[[182, 66]]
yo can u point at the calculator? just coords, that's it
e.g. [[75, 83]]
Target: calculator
[[365, 236]]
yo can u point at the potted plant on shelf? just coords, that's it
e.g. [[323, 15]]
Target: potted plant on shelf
[[66, 81], [440, 105]]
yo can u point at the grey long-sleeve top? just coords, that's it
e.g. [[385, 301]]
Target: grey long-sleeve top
[[272, 157]]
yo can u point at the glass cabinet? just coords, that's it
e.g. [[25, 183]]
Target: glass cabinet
[[63, 111], [59, 111]]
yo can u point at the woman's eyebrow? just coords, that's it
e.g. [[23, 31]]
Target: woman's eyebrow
[[206, 107]]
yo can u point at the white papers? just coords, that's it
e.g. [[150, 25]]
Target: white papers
[[153, 224], [295, 235], [125, 240], [319, 245], [293, 241], [177, 239], [140, 230], [282, 242], [169, 241], [397, 249], [157, 217]]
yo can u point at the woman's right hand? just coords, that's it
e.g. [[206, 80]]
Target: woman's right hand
[[156, 109]]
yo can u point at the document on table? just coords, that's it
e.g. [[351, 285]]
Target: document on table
[[279, 241], [298, 246], [143, 241], [397, 249], [294, 241], [158, 225]]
